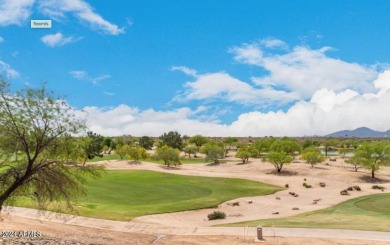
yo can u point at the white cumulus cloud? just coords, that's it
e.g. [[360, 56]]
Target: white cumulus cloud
[[57, 9], [326, 112], [383, 80], [53, 40], [15, 12], [222, 86], [304, 70]]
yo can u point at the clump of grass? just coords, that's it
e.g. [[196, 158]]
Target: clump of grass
[[344, 193], [306, 185], [216, 215]]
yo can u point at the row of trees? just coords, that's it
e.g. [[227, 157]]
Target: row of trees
[[44, 147]]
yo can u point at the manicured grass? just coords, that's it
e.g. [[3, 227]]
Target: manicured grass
[[363, 213], [117, 157], [124, 195]]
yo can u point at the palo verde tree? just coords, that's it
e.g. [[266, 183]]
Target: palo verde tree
[[169, 155], [245, 153], [198, 141], [372, 155], [137, 152], [281, 151], [278, 159], [122, 151], [313, 155], [38, 150], [214, 151], [190, 149]]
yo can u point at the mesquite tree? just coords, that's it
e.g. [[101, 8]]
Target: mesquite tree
[[39, 153]]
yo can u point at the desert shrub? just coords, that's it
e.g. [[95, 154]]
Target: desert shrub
[[344, 192], [216, 215], [356, 187], [236, 204], [378, 187], [286, 185], [322, 184], [306, 185], [350, 188]]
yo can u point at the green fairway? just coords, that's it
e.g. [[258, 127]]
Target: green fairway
[[362, 213], [124, 195], [184, 160]]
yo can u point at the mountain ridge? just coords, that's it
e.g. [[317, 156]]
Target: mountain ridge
[[362, 132]]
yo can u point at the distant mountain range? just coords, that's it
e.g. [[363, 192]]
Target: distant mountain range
[[363, 132]]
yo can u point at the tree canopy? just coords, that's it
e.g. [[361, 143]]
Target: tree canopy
[[278, 159], [213, 151], [146, 142], [169, 155], [38, 148], [372, 155], [312, 155], [172, 139]]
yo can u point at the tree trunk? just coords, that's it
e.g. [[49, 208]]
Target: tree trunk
[[372, 174], [1, 207]]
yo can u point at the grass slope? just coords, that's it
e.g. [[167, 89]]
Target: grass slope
[[363, 213], [126, 194], [184, 160]]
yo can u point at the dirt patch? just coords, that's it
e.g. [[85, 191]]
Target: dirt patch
[[54, 233]]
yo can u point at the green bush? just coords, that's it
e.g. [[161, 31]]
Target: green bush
[[216, 215], [378, 187]]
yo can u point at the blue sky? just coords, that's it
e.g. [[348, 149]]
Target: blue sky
[[240, 68]]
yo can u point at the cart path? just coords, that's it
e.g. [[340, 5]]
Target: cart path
[[149, 228]]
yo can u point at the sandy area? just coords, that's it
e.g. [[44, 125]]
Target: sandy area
[[337, 176], [69, 234]]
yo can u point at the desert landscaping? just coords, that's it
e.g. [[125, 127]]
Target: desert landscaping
[[193, 227]]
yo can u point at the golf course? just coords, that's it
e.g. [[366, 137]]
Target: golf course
[[363, 213], [124, 195]]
